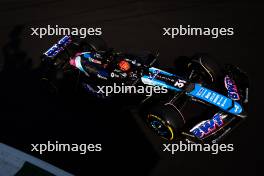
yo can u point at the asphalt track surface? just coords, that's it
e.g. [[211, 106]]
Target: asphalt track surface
[[28, 116]]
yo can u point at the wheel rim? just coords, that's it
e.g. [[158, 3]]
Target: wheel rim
[[160, 127]]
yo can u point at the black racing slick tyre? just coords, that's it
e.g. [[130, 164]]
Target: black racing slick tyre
[[165, 120], [204, 69]]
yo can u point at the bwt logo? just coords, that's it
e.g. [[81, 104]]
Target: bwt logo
[[203, 129]]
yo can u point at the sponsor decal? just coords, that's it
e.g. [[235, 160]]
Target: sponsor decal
[[211, 97], [58, 47], [216, 99], [231, 88], [208, 127], [200, 92], [153, 75], [162, 72], [180, 83]]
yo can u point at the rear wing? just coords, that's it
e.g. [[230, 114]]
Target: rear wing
[[58, 47]]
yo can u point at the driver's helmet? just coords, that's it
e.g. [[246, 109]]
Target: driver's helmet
[[124, 65]]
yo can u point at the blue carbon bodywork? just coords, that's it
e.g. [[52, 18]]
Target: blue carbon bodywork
[[154, 82], [151, 79], [209, 96], [87, 55], [216, 99], [158, 71]]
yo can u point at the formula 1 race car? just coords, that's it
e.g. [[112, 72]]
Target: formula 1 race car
[[204, 102]]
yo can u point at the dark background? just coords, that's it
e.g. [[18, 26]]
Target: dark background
[[29, 116]]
